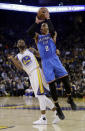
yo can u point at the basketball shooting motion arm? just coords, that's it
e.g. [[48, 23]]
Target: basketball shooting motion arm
[[16, 62], [32, 29], [50, 25]]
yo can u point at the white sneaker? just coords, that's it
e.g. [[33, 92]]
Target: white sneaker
[[41, 121], [56, 120]]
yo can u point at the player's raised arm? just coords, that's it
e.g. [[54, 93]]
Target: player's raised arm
[[32, 29], [50, 25], [16, 62]]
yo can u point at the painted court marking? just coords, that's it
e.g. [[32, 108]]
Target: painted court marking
[[5, 127], [35, 107]]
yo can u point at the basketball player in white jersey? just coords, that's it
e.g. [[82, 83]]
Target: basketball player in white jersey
[[25, 60]]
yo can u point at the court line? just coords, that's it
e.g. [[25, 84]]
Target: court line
[[5, 127], [32, 107]]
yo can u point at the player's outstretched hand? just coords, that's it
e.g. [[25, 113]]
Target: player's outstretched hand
[[38, 20]]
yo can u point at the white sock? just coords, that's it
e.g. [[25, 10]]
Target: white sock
[[43, 115]]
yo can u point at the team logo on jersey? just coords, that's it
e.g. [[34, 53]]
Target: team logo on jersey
[[26, 60]]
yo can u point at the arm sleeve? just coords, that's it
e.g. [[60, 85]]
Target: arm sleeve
[[32, 29], [51, 27]]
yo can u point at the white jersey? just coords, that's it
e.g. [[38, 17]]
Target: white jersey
[[28, 61], [31, 67]]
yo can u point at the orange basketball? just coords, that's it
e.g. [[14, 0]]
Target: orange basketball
[[41, 13]]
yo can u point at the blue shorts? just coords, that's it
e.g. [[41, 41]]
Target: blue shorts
[[53, 68]]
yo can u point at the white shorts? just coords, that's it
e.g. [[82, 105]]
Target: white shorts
[[44, 81], [36, 82]]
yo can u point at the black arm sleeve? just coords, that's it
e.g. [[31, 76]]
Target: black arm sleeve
[[51, 27], [31, 31]]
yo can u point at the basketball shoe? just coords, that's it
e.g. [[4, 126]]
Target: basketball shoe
[[41, 121], [59, 112], [73, 105]]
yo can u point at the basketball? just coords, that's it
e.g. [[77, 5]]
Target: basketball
[[41, 13]]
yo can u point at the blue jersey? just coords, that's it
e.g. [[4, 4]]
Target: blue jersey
[[46, 46], [51, 64]]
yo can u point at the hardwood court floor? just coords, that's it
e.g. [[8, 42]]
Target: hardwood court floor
[[18, 113]]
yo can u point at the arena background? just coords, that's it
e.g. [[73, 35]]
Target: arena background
[[18, 106], [70, 27]]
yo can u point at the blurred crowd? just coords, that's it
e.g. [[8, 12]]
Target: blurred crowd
[[70, 42]]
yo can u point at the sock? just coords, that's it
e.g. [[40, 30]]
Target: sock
[[43, 116]]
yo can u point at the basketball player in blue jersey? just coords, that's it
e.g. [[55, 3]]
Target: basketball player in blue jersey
[[51, 64]]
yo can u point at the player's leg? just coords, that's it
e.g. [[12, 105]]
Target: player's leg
[[55, 99], [52, 107], [67, 87], [62, 74], [42, 103], [39, 91], [49, 103], [50, 76]]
